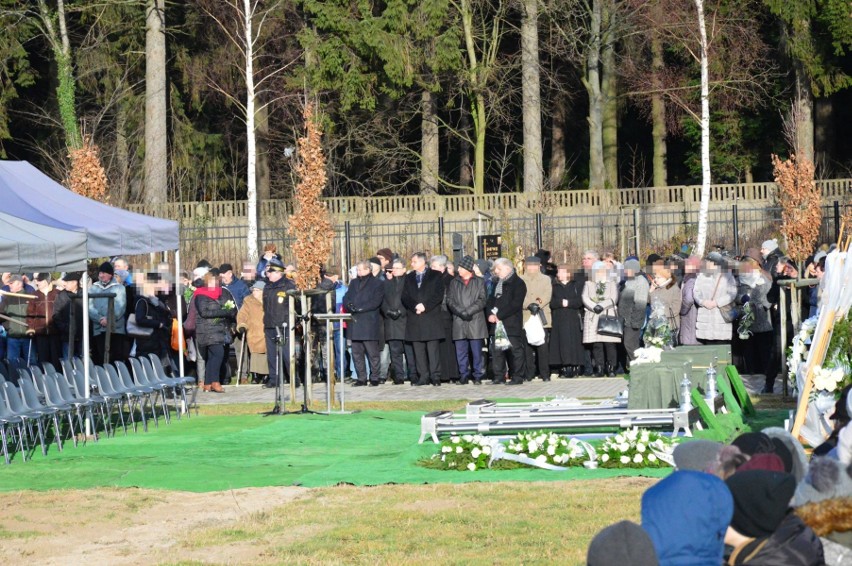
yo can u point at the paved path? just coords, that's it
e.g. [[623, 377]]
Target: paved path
[[581, 387]]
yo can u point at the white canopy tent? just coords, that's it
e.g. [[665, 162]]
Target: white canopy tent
[[39, 207]]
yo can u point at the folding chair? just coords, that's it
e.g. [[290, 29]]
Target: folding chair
[[154, 368], [16, 406], [106, 390], [68, 395], [105, 404], [27, 384], [33, 403], [141, 378], [144, 390], [9, 419]]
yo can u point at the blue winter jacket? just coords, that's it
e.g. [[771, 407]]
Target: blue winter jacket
[[686, 516]]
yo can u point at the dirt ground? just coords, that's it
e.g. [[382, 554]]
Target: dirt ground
[[129, 526]]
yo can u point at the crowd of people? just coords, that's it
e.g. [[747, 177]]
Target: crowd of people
[[756, 501], [420, 320]]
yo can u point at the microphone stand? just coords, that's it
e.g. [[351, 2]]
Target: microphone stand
[[305, 318], [279, 345]]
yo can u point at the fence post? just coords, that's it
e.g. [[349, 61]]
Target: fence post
[[636, 230], [347, 237], [736, 231], [837, 221], [441, 234], [539, 237]]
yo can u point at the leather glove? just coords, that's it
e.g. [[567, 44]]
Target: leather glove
[[351, 307], [533, 308], [598, 309], [467, 317]]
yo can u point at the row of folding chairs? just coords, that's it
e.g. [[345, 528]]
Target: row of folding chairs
[[42, 396]]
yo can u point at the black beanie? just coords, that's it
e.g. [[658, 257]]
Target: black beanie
[[106, 267], [622, 544], [761, 500], [752, 443]]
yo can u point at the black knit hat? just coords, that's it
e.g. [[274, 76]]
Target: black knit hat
[[752, 443], [106, 267], [622, 544], [761, 500]]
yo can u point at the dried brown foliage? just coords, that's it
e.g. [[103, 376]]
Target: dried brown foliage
[[87, 176], [801, 210], [310, 223]]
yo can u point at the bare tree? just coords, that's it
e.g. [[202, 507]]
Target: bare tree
[[156, 106], [531, 88]]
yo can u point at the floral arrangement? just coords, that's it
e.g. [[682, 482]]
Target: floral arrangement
[[647, 355], [600, 291], [501, 338], [746, 322], [836, 371], [659, 333], [636, 448], [229, 305], [550, 448], [466, 452]]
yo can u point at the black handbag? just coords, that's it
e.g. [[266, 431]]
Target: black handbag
[[610, 325]]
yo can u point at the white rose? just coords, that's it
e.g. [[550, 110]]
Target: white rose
[[467, 438], [640, 447], [486, 450], [459, 449], [551, 450], [471, 466], [475, 452], [624, 447], [652, 458], [541, 459], [625, 459], [637, 459], [456, 439], [533, 446], [605, 458], [446, 449], [619, 439]]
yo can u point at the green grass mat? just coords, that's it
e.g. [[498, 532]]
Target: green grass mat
[[212, 453]]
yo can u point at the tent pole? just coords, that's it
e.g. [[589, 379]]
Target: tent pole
[[179, 313], [85, 352]]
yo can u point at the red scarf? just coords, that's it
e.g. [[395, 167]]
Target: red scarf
[[206, 291]]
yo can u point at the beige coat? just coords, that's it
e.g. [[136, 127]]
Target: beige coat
[[590, 320], [539, 290], [250, 317]]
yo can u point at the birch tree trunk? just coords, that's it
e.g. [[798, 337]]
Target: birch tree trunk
[[465, 168], [261, 128], [703, 211], [531, 87], [251, 146], [609, 91], [592, 82], [156, 134], [430, 144], [658, 114]]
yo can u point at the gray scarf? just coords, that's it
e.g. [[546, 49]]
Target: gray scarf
[[498, 291]]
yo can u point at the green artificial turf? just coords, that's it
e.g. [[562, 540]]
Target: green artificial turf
[[212, 453]]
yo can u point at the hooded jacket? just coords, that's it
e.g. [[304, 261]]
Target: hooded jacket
[[686, 515]]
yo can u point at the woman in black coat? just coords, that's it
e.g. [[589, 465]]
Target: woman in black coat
[[566, 336], [394, 314], [216, 313], [152, 313], [363, 300], [422, 297]]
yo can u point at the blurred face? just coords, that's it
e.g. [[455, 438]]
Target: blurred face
[[6, 278], [502, 270], [398, 269], [438, 267], [212, 282], [257, 294], [227, 277], [764, 252], [120, 264], [16, 286], [451, 269], [465, 274], [104, 277], [418, 263], [275, 275], [588, 260], [363, 270], [248, 271], [563, 275], [72, 286], [533, 268]]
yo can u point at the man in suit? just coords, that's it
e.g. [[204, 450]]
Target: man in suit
[[422, 297], [363, 300], [507, 306]]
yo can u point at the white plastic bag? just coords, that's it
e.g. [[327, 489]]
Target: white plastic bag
[[535, 331]]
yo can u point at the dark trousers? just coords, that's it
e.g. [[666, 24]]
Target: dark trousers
[[48, 349], [538, 358], [371, 348], [607, 348], [632, 337], [757, 352], [401, 354], [117, 348], [473, 364], [214, 355], [515, 356], [427, 358], [271, 335]]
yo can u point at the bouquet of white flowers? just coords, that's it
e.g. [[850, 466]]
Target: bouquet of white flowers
[[658, 332], [467, 452], [550, 448], [636, 448]]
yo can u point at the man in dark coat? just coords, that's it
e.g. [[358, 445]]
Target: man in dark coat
[[68, 304], [363, 300], [276, 316], [507, 306], [422, 296], [395, 319], [449, 369], [466, 302]]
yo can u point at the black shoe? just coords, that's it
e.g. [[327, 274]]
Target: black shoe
[[598, 371], [419, 383], [375, 383], [515, 382], [269, 385], [609, 371], [572, 371], [359, 383], [768, 389], [436, 384], [586, 373], [383, 381], [497, 382], [463, 381], [477, 382], [398, 382]]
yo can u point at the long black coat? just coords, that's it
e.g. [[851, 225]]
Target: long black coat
[[276, 303], [364, 299], [213, 325], [467, 302], [509, 305], [429, 325], [392, 307], [566, 337]]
